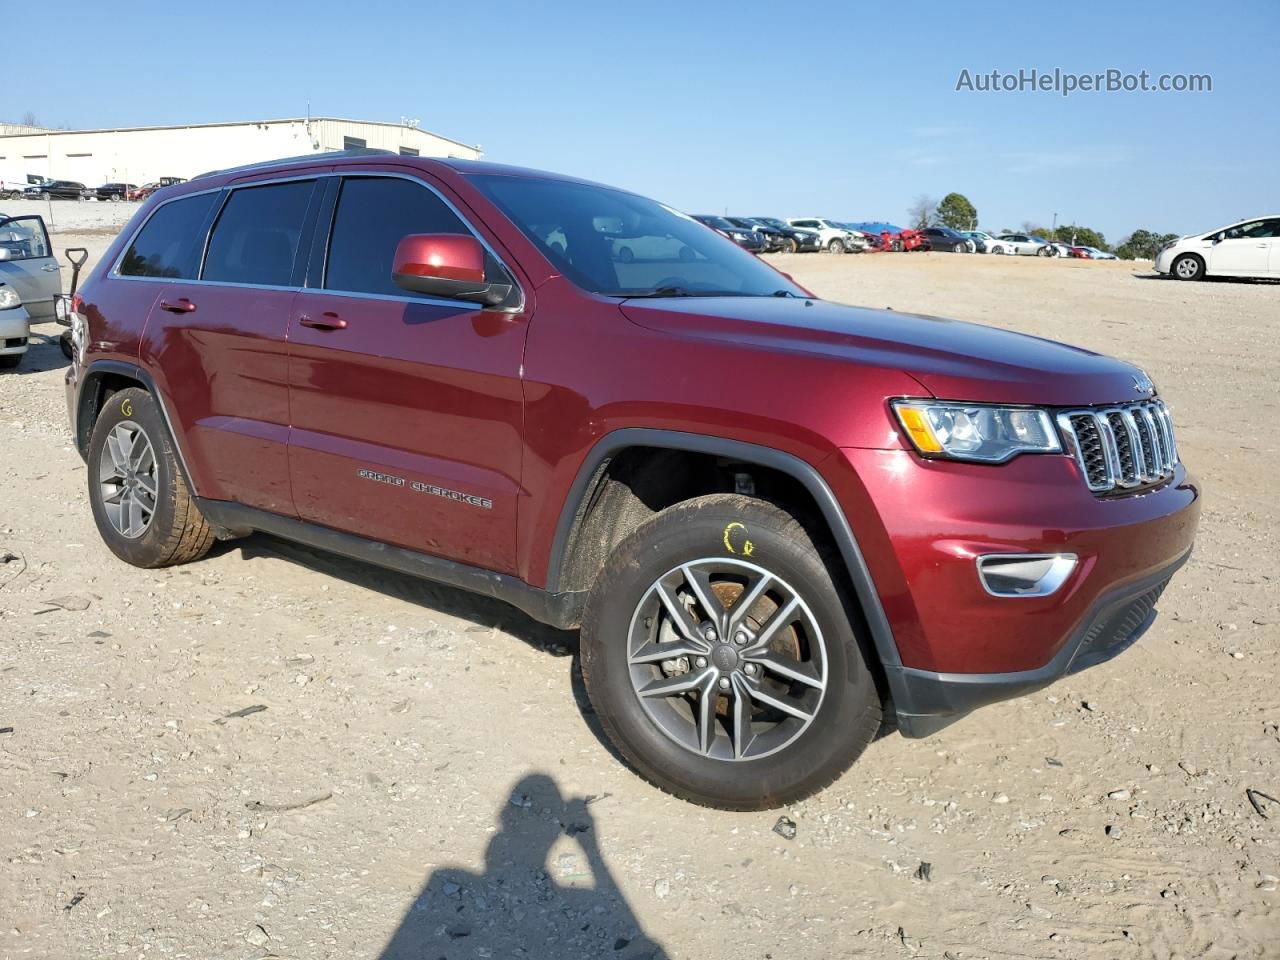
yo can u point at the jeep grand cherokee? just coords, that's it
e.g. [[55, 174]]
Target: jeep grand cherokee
[[772, 516]]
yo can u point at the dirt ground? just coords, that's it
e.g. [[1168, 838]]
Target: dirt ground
[[414, 771]]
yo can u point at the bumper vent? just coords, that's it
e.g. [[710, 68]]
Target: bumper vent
[[1122, 448]]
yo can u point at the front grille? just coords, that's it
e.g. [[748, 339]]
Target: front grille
[[1124, 447]]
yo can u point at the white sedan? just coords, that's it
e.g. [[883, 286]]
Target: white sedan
[[1250, 248], [1026, 246]]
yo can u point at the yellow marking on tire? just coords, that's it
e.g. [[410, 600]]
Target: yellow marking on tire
[[748, 547], [126, 407]]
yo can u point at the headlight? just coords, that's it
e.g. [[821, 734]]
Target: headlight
[[975, 432], [9, 298]]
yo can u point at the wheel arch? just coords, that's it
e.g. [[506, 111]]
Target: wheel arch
[[591, 482], [101, 379]]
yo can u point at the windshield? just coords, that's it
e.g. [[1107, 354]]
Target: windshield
[[621, 245]]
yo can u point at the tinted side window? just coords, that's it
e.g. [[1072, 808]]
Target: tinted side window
[[169, 245], [256, 236], [373, 214]]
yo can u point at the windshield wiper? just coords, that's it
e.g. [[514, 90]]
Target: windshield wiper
[[660, 292], [784, 293]]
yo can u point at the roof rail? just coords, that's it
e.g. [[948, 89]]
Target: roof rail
[[331, 155]]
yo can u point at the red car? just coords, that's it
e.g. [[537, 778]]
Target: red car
[[1081, 253], [774, 517]]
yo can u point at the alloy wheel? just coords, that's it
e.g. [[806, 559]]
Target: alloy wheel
[[127, 477], [727, 659]]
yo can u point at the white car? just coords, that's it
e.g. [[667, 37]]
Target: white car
[[1250, 248], [1026, 246], [1096, 254], [835, 237], [15, 327], [985, 242]]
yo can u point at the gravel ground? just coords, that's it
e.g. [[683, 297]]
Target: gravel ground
[[276, 753]]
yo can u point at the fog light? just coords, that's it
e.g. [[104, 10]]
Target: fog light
[[1024, 574]]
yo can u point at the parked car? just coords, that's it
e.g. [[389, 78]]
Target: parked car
[[984, 242], [1249, 248], [806, 240], [54, 190], [109, 191], [14, 187], [1080, 253], [860, 240], [946, 240], [834, 237], [747, 239], [913, 519], [774, 241], [1026, 246], [15, 326], [28, 266], [1096, 254], [144, 191]]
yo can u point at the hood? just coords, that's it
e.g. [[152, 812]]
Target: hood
[[952, 359]]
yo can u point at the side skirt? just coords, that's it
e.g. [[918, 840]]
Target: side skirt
[[562, 610]]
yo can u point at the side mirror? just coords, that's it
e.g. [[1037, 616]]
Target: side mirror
[[5, 254], [448, 265]]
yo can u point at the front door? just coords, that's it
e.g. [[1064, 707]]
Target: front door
[[27, 264], [1243, 250], [407, 411]]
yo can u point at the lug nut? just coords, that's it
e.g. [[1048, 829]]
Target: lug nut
[[724, 683], [709, 633], [750, 669], [740, 637], [700, 662]]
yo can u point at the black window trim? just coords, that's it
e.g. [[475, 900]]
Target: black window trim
[[323, 202]]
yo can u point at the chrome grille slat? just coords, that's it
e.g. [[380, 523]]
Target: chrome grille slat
[[1127, 446]]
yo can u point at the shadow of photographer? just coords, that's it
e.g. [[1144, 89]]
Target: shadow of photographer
[[517, 906]]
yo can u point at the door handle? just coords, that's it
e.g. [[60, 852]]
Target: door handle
[[50, 268], [181, 305], [326, 321]]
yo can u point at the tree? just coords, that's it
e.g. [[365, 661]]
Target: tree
[[1143, 245], [29, 120], [957, 212], [922, 212], [1079, 236]]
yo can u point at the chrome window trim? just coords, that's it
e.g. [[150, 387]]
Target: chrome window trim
[[462, 218]]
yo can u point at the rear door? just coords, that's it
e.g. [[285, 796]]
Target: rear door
[[407, 409], [28, 266], [219, 341]]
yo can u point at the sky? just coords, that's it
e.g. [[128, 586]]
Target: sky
[[844, 110]]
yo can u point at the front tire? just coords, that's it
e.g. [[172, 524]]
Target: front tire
[[742, 708], [1188, 267], [789, 245], [141, 503], [1045, 252], [11, 361], [836, 246]]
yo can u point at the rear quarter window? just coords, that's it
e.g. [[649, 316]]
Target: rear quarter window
[[170, 242]]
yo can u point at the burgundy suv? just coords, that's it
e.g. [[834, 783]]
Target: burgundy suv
[[773, 517]]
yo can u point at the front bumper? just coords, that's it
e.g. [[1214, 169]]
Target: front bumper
[[922, 525], [15, 330]]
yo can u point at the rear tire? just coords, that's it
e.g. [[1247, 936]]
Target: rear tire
[[141, 502], [836, 246], [717, 755]]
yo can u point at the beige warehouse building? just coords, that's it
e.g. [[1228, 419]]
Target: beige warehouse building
[[145, 154]]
